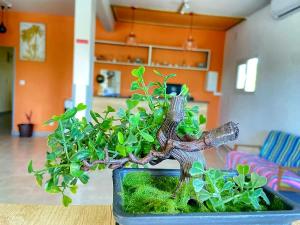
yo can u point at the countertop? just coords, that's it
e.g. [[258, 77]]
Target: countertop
[[19, 214]]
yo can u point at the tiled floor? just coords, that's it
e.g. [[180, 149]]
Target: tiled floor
[[17, 186]]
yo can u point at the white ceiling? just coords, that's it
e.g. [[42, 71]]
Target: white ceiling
[[57, 7], [236, 8], [240, 8]]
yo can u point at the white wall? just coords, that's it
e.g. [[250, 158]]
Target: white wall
[[6, 78], [276, 103]]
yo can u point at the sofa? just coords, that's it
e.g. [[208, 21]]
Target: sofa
[[278, 160]]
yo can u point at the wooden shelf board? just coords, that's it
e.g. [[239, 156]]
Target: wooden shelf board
[[147, 65], [148, 46]]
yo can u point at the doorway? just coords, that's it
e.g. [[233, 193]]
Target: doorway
[[6, 89]]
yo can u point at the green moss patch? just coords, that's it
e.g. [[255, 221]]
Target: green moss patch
[[146, 194]]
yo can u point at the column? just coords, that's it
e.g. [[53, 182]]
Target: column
[[83, 63]]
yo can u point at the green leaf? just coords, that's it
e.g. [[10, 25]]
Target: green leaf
[[75, 169], [158, 115], [121, 149], [147, 136], [73, 189], [131, 103], [184, 90], [39, 179], [94, 116], [84, 178], [131, 139], [158, 91], [202, 119], [49, 122], [228, 186], [129, 149], [100, 154], [158, 73], [257, 180], [51, 188], [243, 169], [29, 167], [134, 86], [109, 109], [170, 76], [264, 197], [134, 120], [80, 155], [69, 114], [203, 195], [120, 138], [138, 97], [197, 169], [139, 72], [198, 184], [121, 113], [51, 156], [106, 124], [239, 180], [81, 107], [66, 200]]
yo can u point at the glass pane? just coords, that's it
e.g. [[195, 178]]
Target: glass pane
[[250, 83], [241, 76]]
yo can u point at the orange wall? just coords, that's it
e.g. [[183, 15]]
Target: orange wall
[[48, 83], [213, 40]]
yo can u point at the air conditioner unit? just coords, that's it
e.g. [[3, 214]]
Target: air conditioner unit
[[283, 8]]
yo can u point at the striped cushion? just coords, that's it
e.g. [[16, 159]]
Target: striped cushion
[[282, 148], [263, 168]]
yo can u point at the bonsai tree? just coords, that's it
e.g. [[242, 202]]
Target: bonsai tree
[[166, 128], [26, 129]]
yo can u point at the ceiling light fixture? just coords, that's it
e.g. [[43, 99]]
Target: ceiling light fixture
[[131, 38], [190, 43], [184, 7]]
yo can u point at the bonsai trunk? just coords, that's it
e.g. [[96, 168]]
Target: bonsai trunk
[[187, 152]]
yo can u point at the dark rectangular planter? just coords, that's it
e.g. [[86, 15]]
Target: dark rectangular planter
[[222, 218]]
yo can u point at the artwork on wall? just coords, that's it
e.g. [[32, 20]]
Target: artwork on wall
[[32, 41]]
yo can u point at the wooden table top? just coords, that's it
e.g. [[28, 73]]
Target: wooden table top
[[18, 214]]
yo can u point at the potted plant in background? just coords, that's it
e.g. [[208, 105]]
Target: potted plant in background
[[163, 128], [26, 129]]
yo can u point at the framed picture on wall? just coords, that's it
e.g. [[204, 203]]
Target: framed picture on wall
[[32, 41]]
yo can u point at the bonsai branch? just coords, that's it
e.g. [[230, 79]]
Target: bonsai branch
[[117, 163]]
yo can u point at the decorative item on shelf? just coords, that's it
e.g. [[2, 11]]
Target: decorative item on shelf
[[138, 60], [129, 59], [201, 65], [131, 38], [32, 41], [190, 43], [100, 57]]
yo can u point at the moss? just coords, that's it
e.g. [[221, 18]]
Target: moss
[[144, 194]]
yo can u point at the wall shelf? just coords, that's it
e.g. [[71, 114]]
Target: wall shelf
[[154, 55]]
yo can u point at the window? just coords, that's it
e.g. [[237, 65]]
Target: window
[[246, 75]]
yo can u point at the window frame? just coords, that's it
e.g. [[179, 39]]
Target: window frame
[[244, 61]]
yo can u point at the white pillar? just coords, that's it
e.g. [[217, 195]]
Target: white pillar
[[83, 63]]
